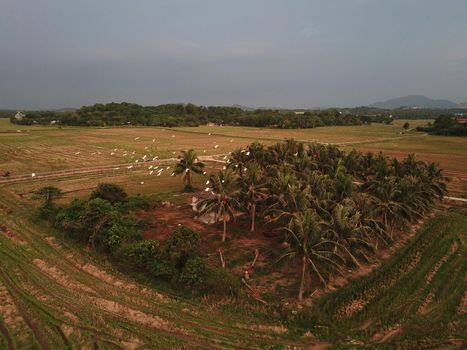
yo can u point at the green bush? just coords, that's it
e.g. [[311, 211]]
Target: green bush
[[134, 203], [116, 232], [110, 192], [220, 282], [161, 267], [68, 219], [139, 255], [181, 245], [47, 212], [193, 273]]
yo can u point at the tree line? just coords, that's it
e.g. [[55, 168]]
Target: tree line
[[171, 115], [445, 125]]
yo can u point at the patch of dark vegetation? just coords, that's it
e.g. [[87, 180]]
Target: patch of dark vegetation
[[446, 125]]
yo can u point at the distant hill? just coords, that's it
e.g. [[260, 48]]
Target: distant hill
[[463, 105], [69, 109], [415, 101], [245, 108]]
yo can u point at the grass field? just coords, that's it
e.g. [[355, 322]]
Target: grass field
[[56, 295], [42, 149]]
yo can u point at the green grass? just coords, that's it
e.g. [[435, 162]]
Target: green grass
[[417, 294]]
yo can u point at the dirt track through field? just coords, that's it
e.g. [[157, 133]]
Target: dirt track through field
[[276, 139]]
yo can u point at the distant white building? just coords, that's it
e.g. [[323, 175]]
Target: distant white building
[[299, 112], [19, 115]]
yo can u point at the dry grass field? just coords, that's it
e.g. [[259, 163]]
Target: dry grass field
[[39, 149]]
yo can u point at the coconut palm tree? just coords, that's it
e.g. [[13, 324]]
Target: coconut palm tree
[[225, 187], [308, 242], [385, 192], [188, 164], [238, 160], [347, 228], [437, 180], [254, 190], [288, 196]]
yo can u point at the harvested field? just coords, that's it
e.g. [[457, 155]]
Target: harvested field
[[39, 149], [58, 295]]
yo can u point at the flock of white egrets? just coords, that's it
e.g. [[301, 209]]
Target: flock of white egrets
[[156, 170]]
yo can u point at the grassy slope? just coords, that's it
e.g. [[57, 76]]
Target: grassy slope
[[51, 298], [415, 300]]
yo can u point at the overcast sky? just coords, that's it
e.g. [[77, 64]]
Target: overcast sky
[[289, 53]]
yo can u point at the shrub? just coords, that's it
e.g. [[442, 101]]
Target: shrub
[[47, 195], [134, 203], [220, 282], [181, 245], [139, 255], [68, 218], [118, 231], [110, 192], [193, 273], [161, 267], [97, 215], [47, 212]]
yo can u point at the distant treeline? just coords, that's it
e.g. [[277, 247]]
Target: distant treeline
[[170, 115], [445, 125]]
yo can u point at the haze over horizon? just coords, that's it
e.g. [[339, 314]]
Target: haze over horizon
[[300, 54]]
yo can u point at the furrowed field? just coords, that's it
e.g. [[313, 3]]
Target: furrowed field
[[56, 294], [24, 150]]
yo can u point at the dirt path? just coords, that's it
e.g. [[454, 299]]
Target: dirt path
[[259, 138]]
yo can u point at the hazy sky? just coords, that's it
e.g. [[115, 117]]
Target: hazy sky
[[289, 53]]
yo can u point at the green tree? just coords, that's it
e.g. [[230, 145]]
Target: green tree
[[188, 164], [97, 214], [254, 190], [308, 242], [47, 195], [226, 190], [112, 193]]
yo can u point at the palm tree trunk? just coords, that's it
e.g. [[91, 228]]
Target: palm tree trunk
[[253, 215], [225, 229], [302, 279]]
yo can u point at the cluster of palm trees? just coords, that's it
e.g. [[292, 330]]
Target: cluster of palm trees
[[334, 207]]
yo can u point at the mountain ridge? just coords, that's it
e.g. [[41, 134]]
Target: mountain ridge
[[415, 101]]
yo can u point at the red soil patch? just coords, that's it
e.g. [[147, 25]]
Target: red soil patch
[[162, 221]]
